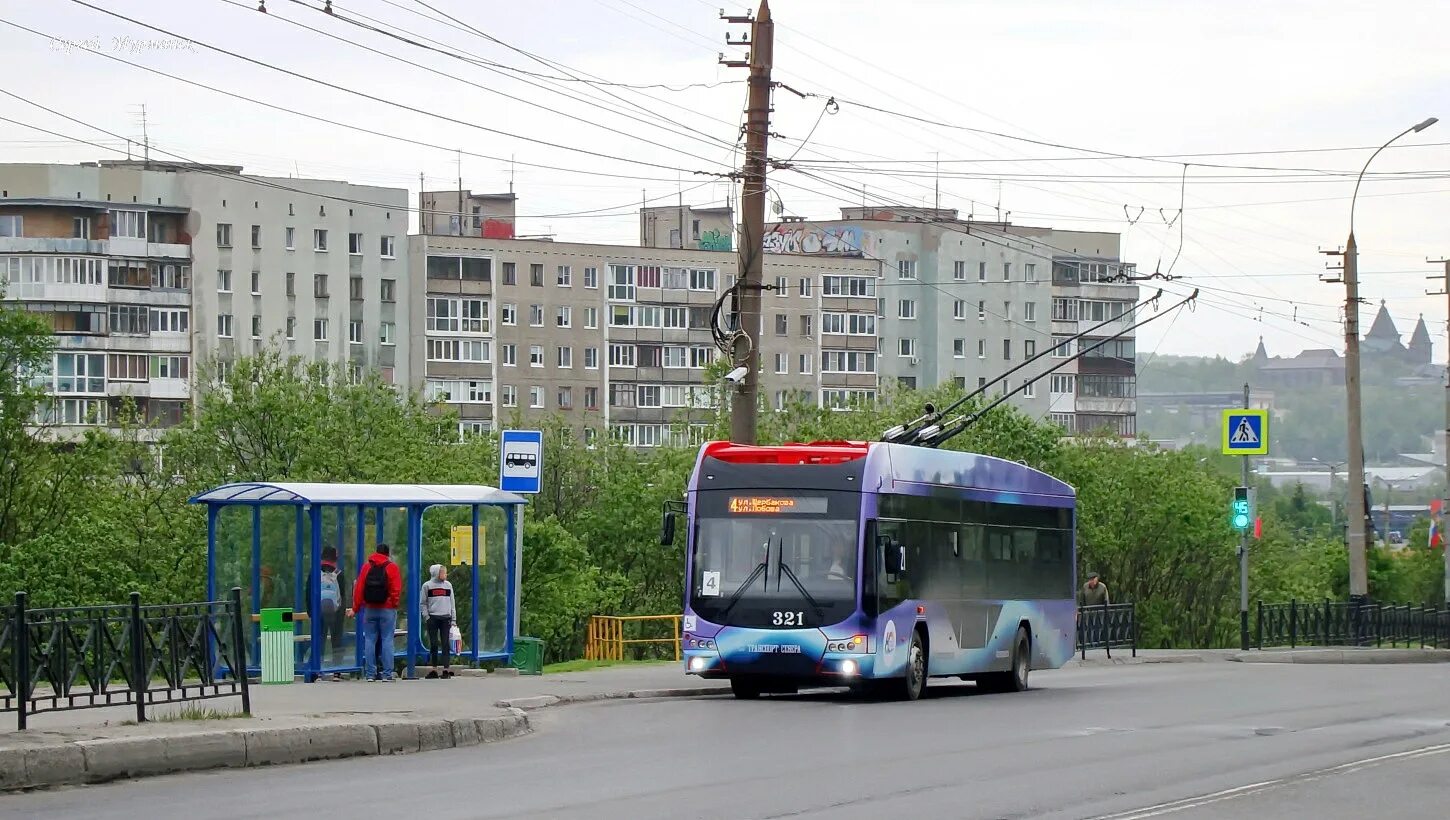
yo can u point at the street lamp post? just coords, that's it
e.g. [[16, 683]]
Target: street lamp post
[[1358, 573]]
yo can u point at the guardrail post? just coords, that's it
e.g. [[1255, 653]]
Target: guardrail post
[[139, 676], [1293, 623], [1259, 627], [1107, 633], [239, 651], [1081, 643], [679, 638], [1326, 623], [1133, 625], [21, 660]]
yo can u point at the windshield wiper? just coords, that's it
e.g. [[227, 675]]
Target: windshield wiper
[[735, 596], [820, 611]]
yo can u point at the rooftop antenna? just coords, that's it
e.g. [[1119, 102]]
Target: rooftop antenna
[[999, 200], [938, 180], [511, 173]]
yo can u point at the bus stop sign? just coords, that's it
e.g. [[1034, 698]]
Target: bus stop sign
[[521, 461]]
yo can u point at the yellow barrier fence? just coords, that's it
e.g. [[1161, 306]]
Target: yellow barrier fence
[[607, 639]]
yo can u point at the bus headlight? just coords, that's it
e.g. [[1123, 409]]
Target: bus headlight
[[855, 645], [699, 664], [848, 668]]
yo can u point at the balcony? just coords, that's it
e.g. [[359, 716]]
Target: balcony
[[52, 292], [167, 250], [28, 244]]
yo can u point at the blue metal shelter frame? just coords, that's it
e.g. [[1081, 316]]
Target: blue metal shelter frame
[[310, 499]]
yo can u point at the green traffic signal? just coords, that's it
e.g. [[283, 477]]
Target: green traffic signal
[[1241, 516]]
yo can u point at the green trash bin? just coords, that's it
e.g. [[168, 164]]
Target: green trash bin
[[277, 646], [528, 656]]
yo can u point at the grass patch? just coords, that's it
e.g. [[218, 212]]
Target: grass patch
[[583, 665], [196, 712]]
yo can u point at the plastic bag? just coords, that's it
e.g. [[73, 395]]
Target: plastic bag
[[456, 637]]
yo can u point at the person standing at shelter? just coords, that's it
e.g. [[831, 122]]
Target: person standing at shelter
[[439, 613], [332, 598], [375, 598]]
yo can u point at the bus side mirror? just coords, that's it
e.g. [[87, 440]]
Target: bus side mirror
[[667, 523], [894, 553]]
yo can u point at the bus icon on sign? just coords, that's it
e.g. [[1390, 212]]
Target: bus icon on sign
[[521, 460], [524, 460]]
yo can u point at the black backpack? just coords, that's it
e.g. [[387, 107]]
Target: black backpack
[[375, 586]]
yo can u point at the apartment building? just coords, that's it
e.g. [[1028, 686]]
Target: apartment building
[[180, 263], [686, 226], [1091, 285], [618, 337]]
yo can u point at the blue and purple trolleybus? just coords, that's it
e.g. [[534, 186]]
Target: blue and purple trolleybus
[[875, 566]]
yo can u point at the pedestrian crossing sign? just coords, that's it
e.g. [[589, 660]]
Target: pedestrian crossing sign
[[1246, 432]]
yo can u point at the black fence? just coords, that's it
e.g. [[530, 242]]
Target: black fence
[[1107, 627], [54, 660], [1340, 623]]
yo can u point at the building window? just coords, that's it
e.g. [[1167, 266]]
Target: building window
[[387, 333], [565, 396], [621, 283], [1029, 390], [386, 249], [959, 348], [256, 327], [14, 226], [256, 283], [223, 281], [1061, 383], [1029, 272], [591, 318], [1006, 271], [959, 309], [319, 330], [648, 395], [128, 367], [224, 325], [959, 271], [1007, 311], [355, 244], [982, 311], [389, 290], [906, 347], [848, 286], [782, 324], [256, 236], [355, 288], [782, 286], [1062, 347], [807, 325], [591, 399], [171, 277], [290, 239], [319, 285], [536, 397], [536, 355], [981, 271], [445, 315], [807, 363], [510, 355], [780, 364], [907, 309], [130, 320], [981, 348], [291, 285], [80, 227], [566, 357], [621, 356], [700, 357], [319, 239], [126, 225], [536, 315], [291, 327], [1029, 311], [223, 235], [563, 316], [355, 332], [1006, 350], [566, 277], [804, 288], [509, 395], [591, 277], [906, 269], [536, 276], [1029, 348], [510, 273], [591, 358], [1063, 420], [458, 350]]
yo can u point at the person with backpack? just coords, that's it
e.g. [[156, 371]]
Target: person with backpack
[[375, 597], [439, 614], [333, 615]]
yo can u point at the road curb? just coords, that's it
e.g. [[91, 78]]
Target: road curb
[[100, 760], [544, 701], [1127, 659], [1345, 656]]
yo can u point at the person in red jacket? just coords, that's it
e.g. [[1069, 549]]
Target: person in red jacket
[[375, 599]]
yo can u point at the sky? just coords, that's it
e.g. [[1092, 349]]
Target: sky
[[915, 86]]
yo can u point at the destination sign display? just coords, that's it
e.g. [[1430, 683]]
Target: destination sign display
[[776, 505]]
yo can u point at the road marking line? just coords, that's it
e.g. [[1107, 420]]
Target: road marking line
[[1267, 785]]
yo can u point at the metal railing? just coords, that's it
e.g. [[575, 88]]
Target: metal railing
[[92, 657], [607, 639], [1340, 623], [1107, 626]]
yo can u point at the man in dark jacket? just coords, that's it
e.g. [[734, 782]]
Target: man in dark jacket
[[375, 598]]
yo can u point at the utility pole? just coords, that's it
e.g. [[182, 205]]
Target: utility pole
[[746, 353], [1354, 493], [1244, 553], [1445, 291]]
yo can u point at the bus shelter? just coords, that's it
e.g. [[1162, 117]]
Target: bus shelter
[[269, 538]]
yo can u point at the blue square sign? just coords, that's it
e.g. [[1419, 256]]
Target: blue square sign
[[521, 461], [1245, 432]]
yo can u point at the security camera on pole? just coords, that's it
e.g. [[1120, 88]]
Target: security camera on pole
[[1245, 433]]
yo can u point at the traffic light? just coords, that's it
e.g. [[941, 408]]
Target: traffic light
[[1241, 516]]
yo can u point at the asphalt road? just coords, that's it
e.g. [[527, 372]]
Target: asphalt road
[[1206, 740]]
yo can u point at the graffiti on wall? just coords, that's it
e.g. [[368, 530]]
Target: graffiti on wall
[[833, 240], [714, 241]]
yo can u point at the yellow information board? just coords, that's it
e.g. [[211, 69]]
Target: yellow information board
[[460, 547]]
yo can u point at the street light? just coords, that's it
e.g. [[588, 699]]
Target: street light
[[1333, 502], [1358, 574]]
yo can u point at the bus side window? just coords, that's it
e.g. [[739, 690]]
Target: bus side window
[[891, 589]]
